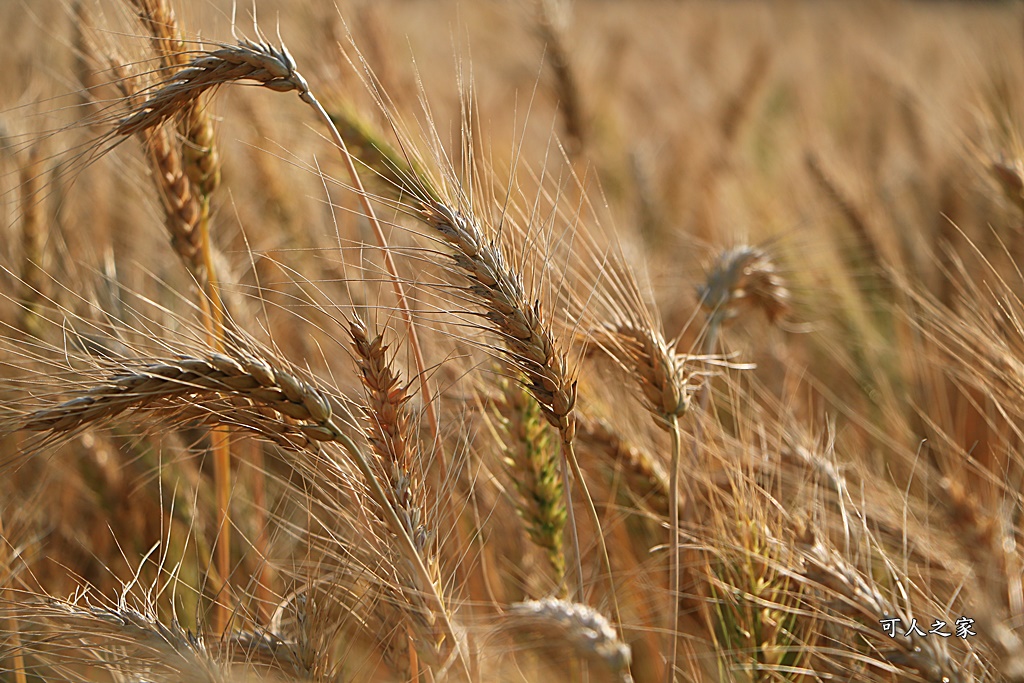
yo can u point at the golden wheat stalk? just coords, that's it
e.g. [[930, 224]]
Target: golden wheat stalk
[[526, 334], [390, 434], [629, 330], [201, 175], [188, 378], [854, 596], [118, 640]]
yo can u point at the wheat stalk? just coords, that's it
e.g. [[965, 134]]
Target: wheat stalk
[[275, 69], [552, 18], [118, 640], [855, 597], [388, 430], [524, 330], [631, 334]]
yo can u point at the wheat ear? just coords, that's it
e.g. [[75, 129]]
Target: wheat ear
[[642, 473], [859, 600], [741, 277], [552, 18], [562, 624], [388, 430], [664, 382], [631, 333], [533, 468], [191, 378], [525, 333], [120, 640]]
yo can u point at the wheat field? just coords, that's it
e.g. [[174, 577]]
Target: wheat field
[[537, 341]]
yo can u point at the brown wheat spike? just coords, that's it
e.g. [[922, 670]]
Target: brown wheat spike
[[275, 69], [555, 625], [529, 343], [662, 373], [524, 330], [533, 468], [181, 205], [388, 430], [642, 474], [202, 162], [390, 434], [191, 378], [260, 62], [745, 276], [632, 336], [182, 209], [526, 335]]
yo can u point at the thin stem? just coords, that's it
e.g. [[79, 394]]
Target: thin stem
[[14, 631], [396, 281], [408, 548], [569, 454], [570, 519], [220, 441], [674, 560]]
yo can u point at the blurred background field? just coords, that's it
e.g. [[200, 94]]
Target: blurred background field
[[853, 450]]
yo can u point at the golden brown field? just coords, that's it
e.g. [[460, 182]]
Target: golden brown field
[[532, 341]]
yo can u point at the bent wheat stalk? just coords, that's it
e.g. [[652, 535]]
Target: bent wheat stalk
[[643, 351], [201, 166]]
